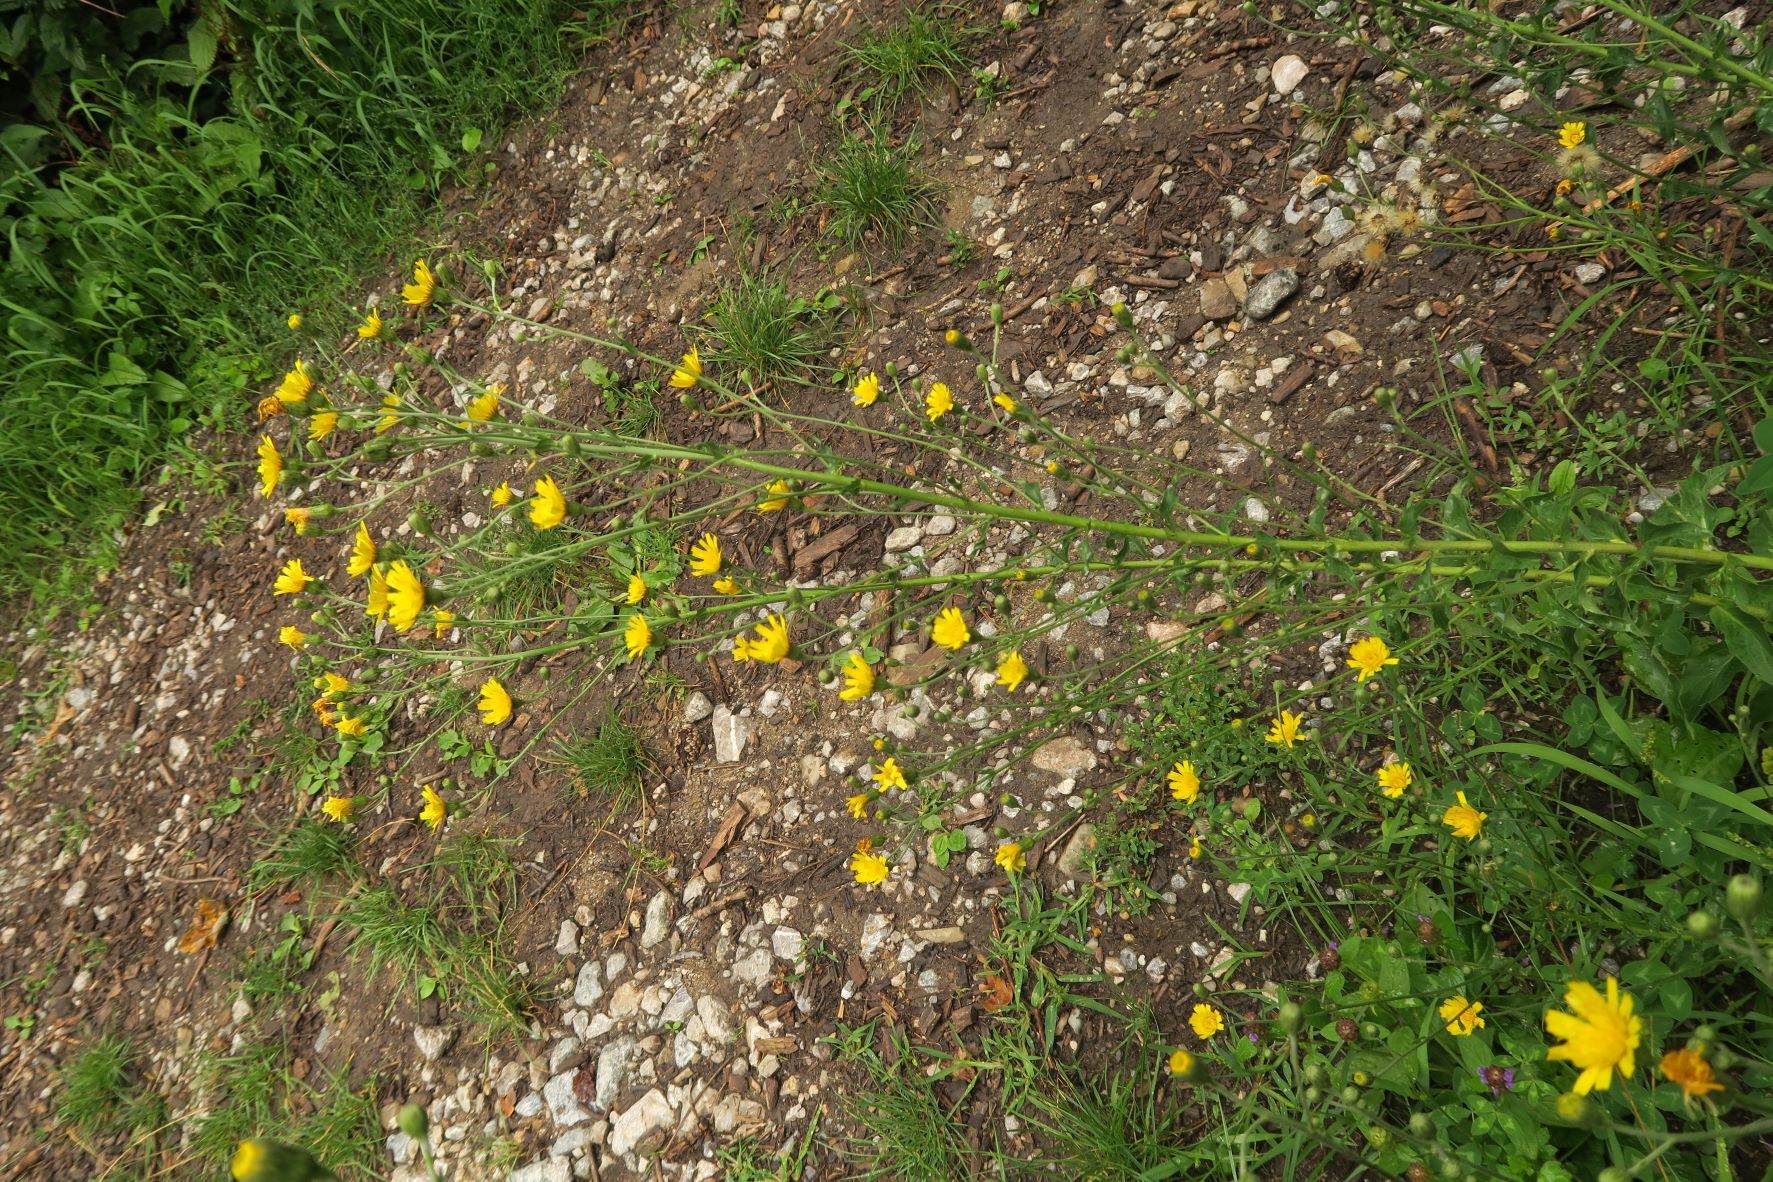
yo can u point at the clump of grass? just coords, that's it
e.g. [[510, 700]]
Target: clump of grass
[[531, 568], [756, 326], [609, 764], [412, 938], [909, 58], [309, 852], [102, 1092], [912, 1133], [874, 192]]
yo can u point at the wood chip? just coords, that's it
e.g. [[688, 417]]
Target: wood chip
[[729, 828]]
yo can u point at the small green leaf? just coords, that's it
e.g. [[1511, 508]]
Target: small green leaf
[[471, 139]]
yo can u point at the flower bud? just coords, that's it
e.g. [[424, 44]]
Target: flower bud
[[1421, 1125], [1122, 314], [413, 1122], [997, 315], [1613, 1174], [1580, 1111], [1291, 1015], [1702, 925], [1742, 897]]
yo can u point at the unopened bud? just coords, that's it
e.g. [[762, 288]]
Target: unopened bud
[[1580, 1111], [1702, 925], [997, 315], [413, 1122], [1291, 1015], [1742, 897]]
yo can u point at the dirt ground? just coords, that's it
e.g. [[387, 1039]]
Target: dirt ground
[[1136, 152]]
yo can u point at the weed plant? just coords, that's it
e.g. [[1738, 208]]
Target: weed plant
[[907, 60], [874, 193]]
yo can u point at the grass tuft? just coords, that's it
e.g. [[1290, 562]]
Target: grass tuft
[[909, 58], [757, 327], [609, 764], [309, 852], [874, 193]]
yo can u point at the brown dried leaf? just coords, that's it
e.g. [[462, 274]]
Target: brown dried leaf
[[206, 928], [995, 992]]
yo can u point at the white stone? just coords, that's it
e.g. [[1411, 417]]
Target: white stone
[[563, 1106], [658, 921], [433, 1041], [588, 989], [1287, 73], [787, 943], [731, 733], [646, 1116]]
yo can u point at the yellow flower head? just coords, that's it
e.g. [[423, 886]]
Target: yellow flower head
[[339, 808], [1194, 847], [292, 578], [1572, 135], [297, 516], [390, 416], [293, 637], [1285, 728], [295, 320], [296, 384], [248, 1157], [441, 622], [270, 466], [323, 711], [770, 645], [890, 775], [1600, 1035], [689, 371], [858, 678], [1464, 820], [501, 496], [938, 401], [1394, 778], [1011, 858], [548, 508], [331, 685], [371, 328], [363, 552], [1184, 783], [376, 606], [1691, 1071], [870, 869], [727, 586], [1005, 403], [1205, 1021], [406, 596], [950, 629], [867, 389], [270, 408], [857, 805], [1012, 671], [435, 808], [354, 727], [1369, 655], [778, 499], [418, 293], [1462, 1016], [495, 702], [637, 634], [1181, 1062], [322, 425], [483, 408], [705, 556], [636, 590], [1564, 187]]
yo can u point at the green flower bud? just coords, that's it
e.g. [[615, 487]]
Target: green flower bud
[[1702, 925], [1351, 1095], [1315, 1073], [997, 315], [1742, 897], [1313, 1094], [1421, 1125], [259, 1160], [1613, 1174], [1291, 1015], [1122, 314], [892, 369], [1580, 1111], [413, 1122]]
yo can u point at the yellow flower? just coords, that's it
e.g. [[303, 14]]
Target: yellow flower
[[1194, 847], [331, 685], [1184, 783], [1394, 778], [1572, 135], [890, 775], [292, 578], [495, 703], [705, 556], [636, 589], [870, 869], [1011, 858], [296, 384], [1691, 1071], [270, 466], [297, 516], [867, 389], [293, 637], [355, 727], [1369, 655], [1206, 1021], [1181, 1062], [770, 646], [857, 805], [728, 587], [1005, 403], [778, 498], [339, 808], [270, 408], [322, 425], [858, 678], [435, 809], [689, 371], [441, 622], [637, 635], [418, 293], [323, 711], [501, 496], [406, 596], [1599, 1037], [1285, 729], [376, 607], [371, 328], [548, 508], [950, 629], [390, 416], [295, 320], [1464, 820], [938, 401], [1564, 187], [483, 408], [1462, 1016], [1012, 670], [363, 552]]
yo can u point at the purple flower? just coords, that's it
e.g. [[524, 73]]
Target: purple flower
[[1497, 1079]]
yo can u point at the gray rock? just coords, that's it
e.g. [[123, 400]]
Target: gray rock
[[1216, 300], [433, 1041], [1065, 756], [754, 968], [588, 989], [717, 1021], [575, 1142], [735, 1112], [563, 1106], [787, 943], [568, 1052], [731, 733], [948, 935], [903, 538], [1270, 292], [567, 942], [658, 921], [697, 707], [877, 930], [1075, 860], [612, 1069], [546, 1170], [648, 1115], [939, 526]]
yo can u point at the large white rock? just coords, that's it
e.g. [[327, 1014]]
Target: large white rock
[[1287, 73], [646, 1116]]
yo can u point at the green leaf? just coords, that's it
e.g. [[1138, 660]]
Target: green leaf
[[471, 139], [1563, 478], [202, 45], [1747, 640]]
